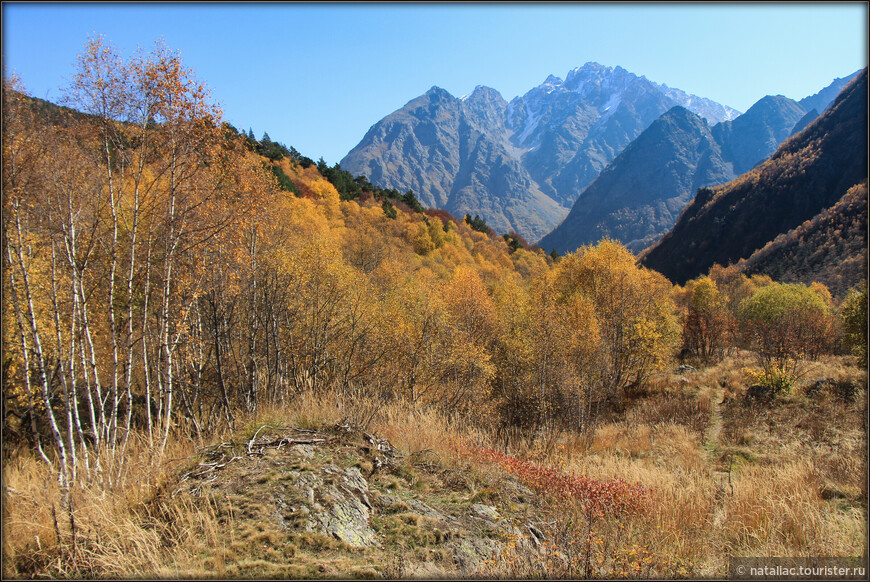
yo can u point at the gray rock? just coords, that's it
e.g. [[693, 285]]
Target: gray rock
[[469, 553], [343, 509], [304, 451], [347, 519], [487, 512], [418, 506]]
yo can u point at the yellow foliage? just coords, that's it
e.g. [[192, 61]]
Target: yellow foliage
[[633, 308], [418, 235], [436, 232], [326, 192]]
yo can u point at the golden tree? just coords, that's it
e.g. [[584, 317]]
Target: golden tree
[[633, 310]]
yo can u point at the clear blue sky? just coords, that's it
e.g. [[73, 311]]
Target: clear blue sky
[[317, 76]]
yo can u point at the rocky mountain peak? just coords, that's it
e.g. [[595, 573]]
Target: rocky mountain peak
[[484, 94], [522, 165], [553, 81], [593, 80], [640, 194], [437, 94], [768, 103]]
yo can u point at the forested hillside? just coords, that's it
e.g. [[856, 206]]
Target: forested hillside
[[154, 256], [831, 248]]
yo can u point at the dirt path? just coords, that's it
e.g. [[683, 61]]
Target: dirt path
[[711, 443], [720, 471]]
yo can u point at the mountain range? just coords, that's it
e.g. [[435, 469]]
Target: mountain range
[[806, 202], [519, 164], [522, 165], [642, 192]]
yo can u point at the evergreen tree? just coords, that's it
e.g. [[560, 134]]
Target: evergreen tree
[[322, 167], [411, 200], [477, 223], [389, 209]]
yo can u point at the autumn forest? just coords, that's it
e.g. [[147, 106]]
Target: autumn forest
[[171, 282]]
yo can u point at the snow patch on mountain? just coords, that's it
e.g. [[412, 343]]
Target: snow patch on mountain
[[711, 111], [609, 108], [533, 118]]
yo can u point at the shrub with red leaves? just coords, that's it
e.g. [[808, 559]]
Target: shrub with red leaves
[[596, 497]]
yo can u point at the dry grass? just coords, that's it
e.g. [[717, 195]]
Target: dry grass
[[423, 434], [785, 479], [788, 479], [777, 511], [108, 529]]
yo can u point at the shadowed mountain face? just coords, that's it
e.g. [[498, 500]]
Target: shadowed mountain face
[[752, 137], [808, 173], [642, 192], [520, 165]]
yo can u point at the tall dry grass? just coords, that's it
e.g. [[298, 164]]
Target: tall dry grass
[[790, 485], [777, 511], [108, 528], [126, 522]]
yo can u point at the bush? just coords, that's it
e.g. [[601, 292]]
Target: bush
[[785, 323], [854, 315], [776, 380], [708, 325]]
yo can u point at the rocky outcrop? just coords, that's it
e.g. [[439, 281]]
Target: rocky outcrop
[[341, 508], [304, 497]]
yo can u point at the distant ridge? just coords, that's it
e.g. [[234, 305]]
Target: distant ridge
[[810, 172], [639, 196], [641, 193]]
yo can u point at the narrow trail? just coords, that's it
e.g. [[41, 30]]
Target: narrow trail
[[720, 471], [711, 443]]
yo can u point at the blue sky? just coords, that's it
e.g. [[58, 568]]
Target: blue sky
[[317, 76]]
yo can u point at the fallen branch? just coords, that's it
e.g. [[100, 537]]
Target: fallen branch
[[253, 438]]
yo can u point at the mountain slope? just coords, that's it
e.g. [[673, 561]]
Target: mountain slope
[[642, 192], [455, 154], [821, 100], [756, 134], [831, 248], [520, 165], [809, 172], [426, 126], [739, 145]]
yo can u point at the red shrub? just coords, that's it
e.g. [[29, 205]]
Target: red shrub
[[595, 496]]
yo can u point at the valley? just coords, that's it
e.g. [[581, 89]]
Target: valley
[[604, 330]]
